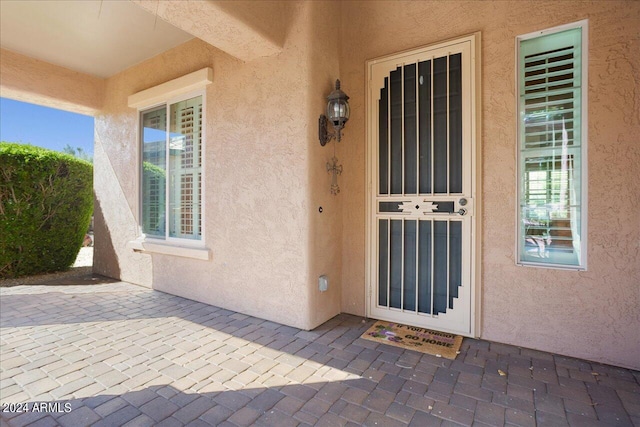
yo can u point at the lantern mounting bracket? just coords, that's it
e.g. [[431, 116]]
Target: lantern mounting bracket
[[323, 134]]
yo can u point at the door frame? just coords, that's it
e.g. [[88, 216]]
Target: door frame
[[476, 174]]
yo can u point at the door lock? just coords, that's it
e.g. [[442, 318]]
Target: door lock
[[461, 212]]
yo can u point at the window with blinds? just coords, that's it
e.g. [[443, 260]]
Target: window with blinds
[[172, 170], [552, 147]]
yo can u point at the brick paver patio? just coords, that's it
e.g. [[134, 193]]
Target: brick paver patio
[[118, 354]]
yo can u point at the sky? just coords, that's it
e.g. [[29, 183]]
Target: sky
[[45, 127]]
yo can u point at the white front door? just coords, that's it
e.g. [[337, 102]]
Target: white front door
[[422, 204]]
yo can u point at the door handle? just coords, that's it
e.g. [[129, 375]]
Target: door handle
[[461, 212]]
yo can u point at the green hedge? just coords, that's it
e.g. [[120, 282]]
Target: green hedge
[[46, 203]]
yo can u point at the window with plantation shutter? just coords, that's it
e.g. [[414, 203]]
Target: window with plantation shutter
[[171, 136], [552, 147]]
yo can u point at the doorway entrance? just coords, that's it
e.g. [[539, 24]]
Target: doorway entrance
[[423, 210]]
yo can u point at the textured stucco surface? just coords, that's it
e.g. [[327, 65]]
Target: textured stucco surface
[[266, 175], [325, 228], [244, 29], [593, 314], [30, 80], [265, 179]]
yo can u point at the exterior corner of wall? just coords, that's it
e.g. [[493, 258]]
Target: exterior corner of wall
[[324, 208]]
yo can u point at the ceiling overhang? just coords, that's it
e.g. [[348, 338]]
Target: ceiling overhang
[[244, 29], [102, 37], [99, 38]]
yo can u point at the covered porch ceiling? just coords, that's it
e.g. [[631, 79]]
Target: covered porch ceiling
[[100, 38], [104, 37]]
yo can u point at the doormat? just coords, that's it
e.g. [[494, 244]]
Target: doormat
[[439, 344]]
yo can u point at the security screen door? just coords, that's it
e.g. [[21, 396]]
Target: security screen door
[[421, 168]]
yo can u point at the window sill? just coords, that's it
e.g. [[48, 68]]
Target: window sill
[[147, 246]]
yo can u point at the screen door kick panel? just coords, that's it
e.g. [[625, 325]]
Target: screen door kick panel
[[422, 205]]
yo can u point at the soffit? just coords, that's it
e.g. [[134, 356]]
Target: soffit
[[95, 37]]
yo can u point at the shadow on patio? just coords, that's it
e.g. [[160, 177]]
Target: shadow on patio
[[125, 355], [323, 403]]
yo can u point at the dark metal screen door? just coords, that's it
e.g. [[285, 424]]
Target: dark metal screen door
[[421, 201]]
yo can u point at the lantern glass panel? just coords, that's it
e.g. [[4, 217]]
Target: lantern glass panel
[[338, 110]]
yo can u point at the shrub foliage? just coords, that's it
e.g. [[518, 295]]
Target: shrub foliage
[[46, 202]]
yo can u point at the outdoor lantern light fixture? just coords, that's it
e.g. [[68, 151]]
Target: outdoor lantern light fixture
[[337, 115]]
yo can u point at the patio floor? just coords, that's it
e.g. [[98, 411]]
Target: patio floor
[[118, 354]]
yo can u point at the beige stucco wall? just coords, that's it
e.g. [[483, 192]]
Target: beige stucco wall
[[266, 174], [30, 80], [593, 314], [325, 228], [244, 29], [265, 179]]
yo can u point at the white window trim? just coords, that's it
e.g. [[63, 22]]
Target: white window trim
[[180, 89], [174, 88], [584, 178], [157, 246]]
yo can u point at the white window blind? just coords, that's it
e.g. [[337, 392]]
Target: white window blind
[[185, 167], [552, 152], [172, 170]]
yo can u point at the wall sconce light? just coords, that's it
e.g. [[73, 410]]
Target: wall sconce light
[[337, 115]]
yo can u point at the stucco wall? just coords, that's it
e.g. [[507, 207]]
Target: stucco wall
[[263, 185], [325, 228], [267, 179], [593, 314], [244, 29]]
